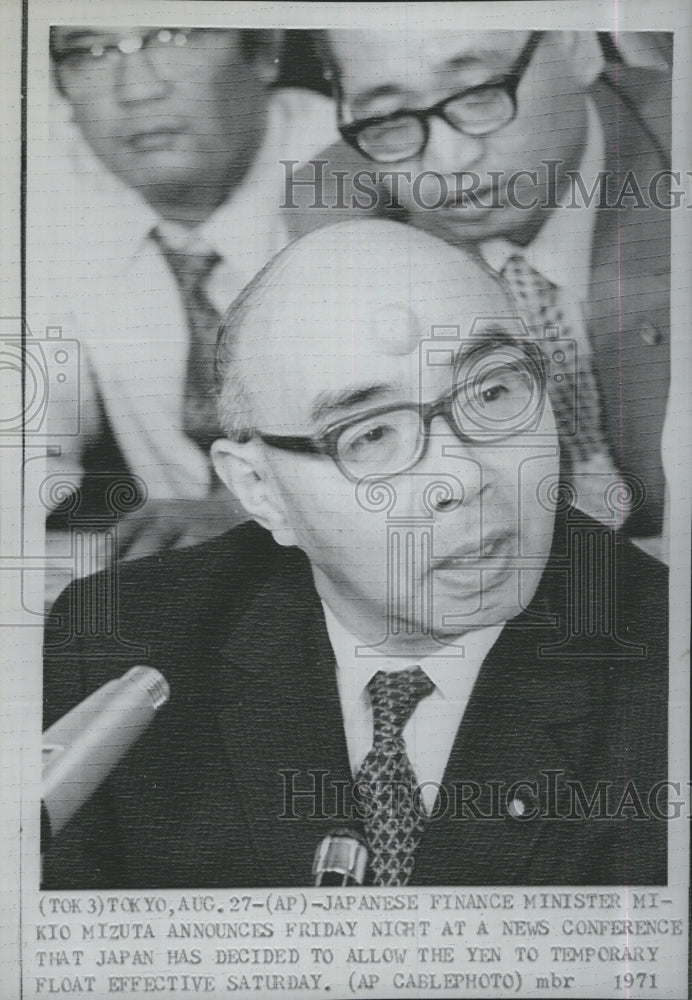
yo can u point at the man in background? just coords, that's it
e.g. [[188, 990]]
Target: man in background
[[530, 148], [162, 196]]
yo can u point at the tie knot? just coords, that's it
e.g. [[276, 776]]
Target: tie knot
[[191, 266], [394, 697]]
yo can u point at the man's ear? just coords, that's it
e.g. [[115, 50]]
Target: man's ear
[[242, 468], [585, 55]]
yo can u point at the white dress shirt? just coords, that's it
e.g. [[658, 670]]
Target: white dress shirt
[[429, 734], [95, 272]]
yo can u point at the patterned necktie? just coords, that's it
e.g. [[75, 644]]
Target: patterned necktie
[[191, 269], [398, 815], [577, 407]]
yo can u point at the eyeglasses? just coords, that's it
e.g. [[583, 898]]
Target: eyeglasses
[[477, 111], [89, 61], [498, 392]]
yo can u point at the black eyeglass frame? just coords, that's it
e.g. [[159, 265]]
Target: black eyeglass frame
[[326, 444], [509, 82]]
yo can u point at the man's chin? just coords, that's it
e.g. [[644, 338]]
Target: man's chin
[[451, 620], [497, 598], [470, 224]]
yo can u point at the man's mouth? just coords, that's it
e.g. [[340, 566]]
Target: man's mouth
[[158, 137], [494, 548], [477, 199], [475, 569]]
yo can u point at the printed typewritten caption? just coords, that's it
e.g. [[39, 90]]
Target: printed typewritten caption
[[463, 942]]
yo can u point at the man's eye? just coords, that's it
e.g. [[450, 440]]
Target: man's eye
[[371, 436], [507, 381], [493, 393], [483, 97], [372, 439], [503, 394], [83, 54], [383, 130]]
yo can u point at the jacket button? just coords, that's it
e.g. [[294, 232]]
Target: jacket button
[[521, 807], [650, 334]]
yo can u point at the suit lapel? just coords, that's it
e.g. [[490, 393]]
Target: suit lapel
[[512, 733], [628, 307], [281, 722], [508, 740]]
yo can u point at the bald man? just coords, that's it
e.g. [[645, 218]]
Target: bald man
[[394, 642]]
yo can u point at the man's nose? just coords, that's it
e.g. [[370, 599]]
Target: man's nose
[[448, 150], [455, 466], [137, 78]]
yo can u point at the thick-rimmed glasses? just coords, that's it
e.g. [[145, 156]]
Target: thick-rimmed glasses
[[477, 111], [89, 59], [498, 392]]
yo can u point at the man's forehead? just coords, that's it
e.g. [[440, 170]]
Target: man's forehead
[[359, 318], [363, 57], [383, 296]]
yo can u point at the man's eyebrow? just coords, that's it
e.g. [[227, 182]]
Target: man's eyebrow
[[334, 401], [384, 90], [63, 43], [78, 33], [472, 60], [495, 335]]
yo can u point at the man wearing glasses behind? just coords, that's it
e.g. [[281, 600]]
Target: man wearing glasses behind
[[529, 147], [414, 637]]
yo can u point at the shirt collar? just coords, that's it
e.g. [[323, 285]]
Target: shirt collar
[[561, 251], [453, 673]]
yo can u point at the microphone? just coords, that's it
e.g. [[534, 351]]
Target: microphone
[[81, 749], [341, 859]]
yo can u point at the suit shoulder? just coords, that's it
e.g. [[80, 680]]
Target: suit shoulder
[[643, 581], [647, 92], [240, 554], [169, 611], [165, 594], [622, 584], [639, 590]]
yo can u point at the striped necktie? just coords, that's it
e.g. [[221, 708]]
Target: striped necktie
[[191, 269], [397, 816], [574, 395]]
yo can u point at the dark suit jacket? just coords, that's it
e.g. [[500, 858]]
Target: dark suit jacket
[[238, 630], [628, 308]]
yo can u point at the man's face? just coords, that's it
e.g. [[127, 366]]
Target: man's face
[[181, 111], [358, 346], [383, 72]]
